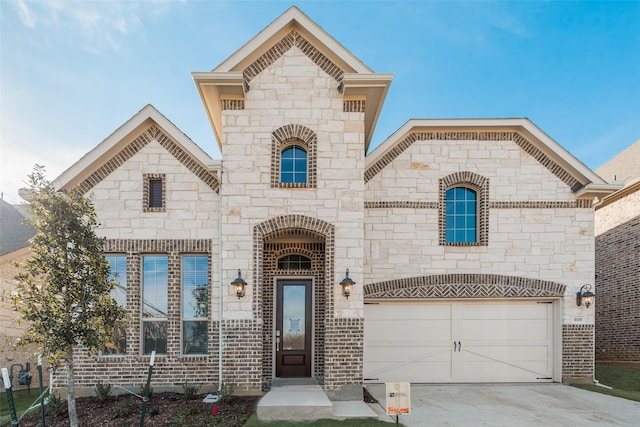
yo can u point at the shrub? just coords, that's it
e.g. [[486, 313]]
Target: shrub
[[143, 390], [56, 406], [102, 391], [190, 390], [125, 407]]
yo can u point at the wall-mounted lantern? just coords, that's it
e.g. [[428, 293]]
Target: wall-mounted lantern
[[239, 284], [346, 285], [585, 296]]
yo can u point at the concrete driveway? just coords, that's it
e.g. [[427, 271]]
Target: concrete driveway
[[512, 405]]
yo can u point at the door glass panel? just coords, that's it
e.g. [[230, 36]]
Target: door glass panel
[[293, 317]]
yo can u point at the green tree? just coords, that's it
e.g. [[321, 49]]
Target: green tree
[[63, 288]]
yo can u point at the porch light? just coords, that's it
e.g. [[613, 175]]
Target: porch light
[[346, 285], [585, 296], [239, 283]]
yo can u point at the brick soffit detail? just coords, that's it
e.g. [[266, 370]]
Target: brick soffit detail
[[516, 137], [153, 133], [464, 286]]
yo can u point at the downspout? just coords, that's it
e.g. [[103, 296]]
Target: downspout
[[220, 307]]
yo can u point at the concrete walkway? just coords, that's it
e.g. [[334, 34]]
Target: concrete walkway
[[303, 399], [512, 405]]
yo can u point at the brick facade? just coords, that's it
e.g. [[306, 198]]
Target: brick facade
[[618, 277], [577, 348]]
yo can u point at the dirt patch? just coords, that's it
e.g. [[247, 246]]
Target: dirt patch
[[169, 409]]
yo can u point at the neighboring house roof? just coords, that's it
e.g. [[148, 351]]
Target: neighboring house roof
[[623, 167], [582, 180], [630, 188], [232, 79], [14, 234], [145, 126]]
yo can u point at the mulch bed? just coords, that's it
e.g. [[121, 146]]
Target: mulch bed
[[172, 410]]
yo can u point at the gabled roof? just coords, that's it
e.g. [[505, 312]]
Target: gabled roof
[[624, 167], [582, 180], [145, 126], [232, 78], [14, 234]]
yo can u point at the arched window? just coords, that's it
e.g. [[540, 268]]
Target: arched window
[[294, 262], [293, 165], [461, 215]]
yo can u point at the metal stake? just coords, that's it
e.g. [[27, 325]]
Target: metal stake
[[12, 406], [42, 418], [145, 399]]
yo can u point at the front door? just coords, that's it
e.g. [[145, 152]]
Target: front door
[[293, 328]]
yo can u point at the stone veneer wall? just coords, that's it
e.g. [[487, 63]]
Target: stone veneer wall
[[618, 278], [578, 364]]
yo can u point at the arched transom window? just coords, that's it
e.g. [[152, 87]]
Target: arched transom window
[[294, 262]]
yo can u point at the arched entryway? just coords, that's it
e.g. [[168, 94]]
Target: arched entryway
[[294, 261]]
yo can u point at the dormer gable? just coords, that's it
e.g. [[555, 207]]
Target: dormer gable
[[225, 86]]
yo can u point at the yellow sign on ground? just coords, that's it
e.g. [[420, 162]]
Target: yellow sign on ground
[[398, 398]]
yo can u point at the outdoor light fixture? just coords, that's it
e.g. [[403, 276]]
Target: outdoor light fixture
[[585, 296], [346, 285], [239, 283]]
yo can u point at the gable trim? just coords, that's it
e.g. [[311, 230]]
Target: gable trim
[[514, 136], [152, 133], [287, 42]]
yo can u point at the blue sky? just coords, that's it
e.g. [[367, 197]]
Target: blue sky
[[72, 72]]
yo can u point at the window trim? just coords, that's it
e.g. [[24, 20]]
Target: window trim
[[292, 146], [474, 182]]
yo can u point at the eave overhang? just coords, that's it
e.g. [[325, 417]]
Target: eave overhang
[[371, 87]]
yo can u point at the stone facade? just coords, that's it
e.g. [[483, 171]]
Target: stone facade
[[378, 216]]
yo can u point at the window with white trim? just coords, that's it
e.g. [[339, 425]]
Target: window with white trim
[[118, 274], [195, 303], [155, 281]]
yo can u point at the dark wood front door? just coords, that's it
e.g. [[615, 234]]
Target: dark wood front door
[[293, 328]]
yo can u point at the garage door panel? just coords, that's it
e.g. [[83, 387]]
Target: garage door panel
[[419, 330], [495, 342], [507, 330]]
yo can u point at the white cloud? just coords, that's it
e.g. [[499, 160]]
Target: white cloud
[[94, 26]]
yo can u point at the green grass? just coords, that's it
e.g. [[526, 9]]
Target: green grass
[[625, 381], [22, 400], [356, 422]]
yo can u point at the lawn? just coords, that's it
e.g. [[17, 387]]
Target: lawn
[[22, 400], [625, 381]]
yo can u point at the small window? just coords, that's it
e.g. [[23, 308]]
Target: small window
[[154, 196], [294, 262], [195, 304], [118, 273], [155, 280], [155, 193], [461, 217], [293, 165]]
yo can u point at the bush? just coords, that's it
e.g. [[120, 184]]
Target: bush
[[56, 405], [102, 391], [125, 407], [190, 391], [143, 390]]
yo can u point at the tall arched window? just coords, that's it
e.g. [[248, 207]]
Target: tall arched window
[[293, 165], [461, 215]]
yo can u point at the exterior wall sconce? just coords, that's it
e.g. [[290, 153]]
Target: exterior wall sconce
[[585, 296], [239, 284], [346, 285]]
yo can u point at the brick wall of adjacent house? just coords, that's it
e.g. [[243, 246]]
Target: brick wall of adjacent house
[[10, 328], [618, 279]]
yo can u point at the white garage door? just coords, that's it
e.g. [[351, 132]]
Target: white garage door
[[460, 342]]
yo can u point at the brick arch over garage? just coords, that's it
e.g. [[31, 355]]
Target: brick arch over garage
[[285, 235], [465, 286]]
